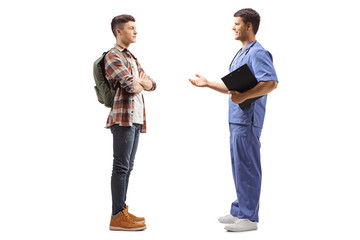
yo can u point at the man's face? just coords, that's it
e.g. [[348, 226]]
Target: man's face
[[240, 29], [128, 33]]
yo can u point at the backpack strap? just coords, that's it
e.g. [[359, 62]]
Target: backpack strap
[[123, 59]]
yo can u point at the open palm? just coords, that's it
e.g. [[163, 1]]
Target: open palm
[[200, 82]]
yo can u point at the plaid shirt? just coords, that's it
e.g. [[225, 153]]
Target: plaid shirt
[[118, 74]]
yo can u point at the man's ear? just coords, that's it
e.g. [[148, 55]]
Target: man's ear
[[249, 26], [118, 31]]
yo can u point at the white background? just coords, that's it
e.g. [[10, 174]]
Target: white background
[[56, 155]]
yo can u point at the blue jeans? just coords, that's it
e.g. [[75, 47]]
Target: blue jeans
[[246, 168], [125, 143]]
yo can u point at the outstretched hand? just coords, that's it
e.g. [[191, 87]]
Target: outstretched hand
[[200, 82]]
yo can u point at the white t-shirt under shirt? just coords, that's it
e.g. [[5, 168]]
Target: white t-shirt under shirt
[[138, 116]]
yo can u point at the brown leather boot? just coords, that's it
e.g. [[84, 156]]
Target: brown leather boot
[[133, 217], [123, 222]]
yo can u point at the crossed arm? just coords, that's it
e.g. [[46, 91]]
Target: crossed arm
[[116, 71], [143, 82], [260, 89]]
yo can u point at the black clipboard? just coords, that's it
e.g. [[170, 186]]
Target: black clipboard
[[241, 80]]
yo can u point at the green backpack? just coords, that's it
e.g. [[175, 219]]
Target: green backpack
[[104, 92]]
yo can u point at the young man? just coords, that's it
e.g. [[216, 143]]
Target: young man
[[126, 119], [246, 124]]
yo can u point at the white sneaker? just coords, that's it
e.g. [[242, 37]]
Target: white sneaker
[[228, 219], [242, 225]]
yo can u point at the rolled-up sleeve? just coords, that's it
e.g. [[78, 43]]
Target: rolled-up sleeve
[[117, 72], [153, 86]]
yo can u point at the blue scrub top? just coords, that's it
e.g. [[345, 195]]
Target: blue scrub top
[[261, 65]]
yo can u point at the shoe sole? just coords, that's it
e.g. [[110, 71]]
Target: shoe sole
[[243, 230], [227, 222], [126, 229]]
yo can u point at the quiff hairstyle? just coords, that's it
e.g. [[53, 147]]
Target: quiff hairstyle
[[249, 15], [119, 21]]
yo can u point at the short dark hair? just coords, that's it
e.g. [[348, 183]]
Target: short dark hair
[[249, 15], [119, 21]]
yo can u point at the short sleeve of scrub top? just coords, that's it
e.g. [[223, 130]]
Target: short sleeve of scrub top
[[260, 63], [262, 66]]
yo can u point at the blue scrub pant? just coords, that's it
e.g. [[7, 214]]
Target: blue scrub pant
[[246, 168]]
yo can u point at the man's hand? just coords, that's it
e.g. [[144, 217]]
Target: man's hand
[[144, 81], [237, 97], [261, 89], [200, 82], [138, 88]]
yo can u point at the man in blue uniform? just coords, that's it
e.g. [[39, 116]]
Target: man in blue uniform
[[246, 123]]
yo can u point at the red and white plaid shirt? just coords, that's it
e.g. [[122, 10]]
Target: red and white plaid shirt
[[117, 73]]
